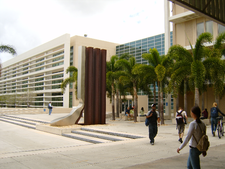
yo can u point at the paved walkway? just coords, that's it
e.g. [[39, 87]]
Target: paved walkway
[[25, 148]]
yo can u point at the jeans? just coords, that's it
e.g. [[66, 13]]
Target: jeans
[[50, 111], [193, 159], [213, 124], [152, 129]]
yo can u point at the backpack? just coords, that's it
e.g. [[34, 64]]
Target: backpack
[[203, 144], [214, 112], [179, 118]]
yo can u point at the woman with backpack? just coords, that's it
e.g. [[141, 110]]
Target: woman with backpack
[[213, 115], [196, 130]]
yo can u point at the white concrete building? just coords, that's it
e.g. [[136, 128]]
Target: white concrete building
[[36, 75]]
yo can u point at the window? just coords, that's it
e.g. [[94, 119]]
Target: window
[[59, 58], [24, 86], [57, 94], [57, 99], [39, 64], [58, 54], [221, 29], [71, 100], [57, 64], [56, 81], [39, 79], [57, 76], [24, 82], [200, 28], [25, 73], [209, 27], [56, 87], [39, 69], [39, 88], [39, 84], [40, 60], [38, 99]]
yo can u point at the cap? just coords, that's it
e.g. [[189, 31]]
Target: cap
[[153, 105]]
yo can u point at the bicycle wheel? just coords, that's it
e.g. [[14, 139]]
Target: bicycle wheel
[[219, 130]]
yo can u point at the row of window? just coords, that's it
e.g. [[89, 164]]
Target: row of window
[[208, 27]]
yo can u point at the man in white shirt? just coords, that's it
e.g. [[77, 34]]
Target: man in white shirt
[[180, 115]]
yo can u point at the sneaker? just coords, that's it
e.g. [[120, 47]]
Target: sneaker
[[214, 134], [152, 143], [181, 141]]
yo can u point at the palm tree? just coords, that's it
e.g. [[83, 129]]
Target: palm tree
[[197, 67], [181, 70], [128, 77], [73, 78], [7, 48], [215, 66], [157, 70], [111, 77]]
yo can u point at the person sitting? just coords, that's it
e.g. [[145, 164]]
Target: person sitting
[[127, 113], [142, 113], [204, 114], [132, 112]]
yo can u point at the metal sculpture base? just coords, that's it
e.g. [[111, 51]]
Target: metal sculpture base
[[72, 118]]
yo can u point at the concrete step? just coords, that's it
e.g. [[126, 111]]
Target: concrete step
[[85, 138], [18, 123], [125, 135], [17, 117], [18, 120], [99, 135]]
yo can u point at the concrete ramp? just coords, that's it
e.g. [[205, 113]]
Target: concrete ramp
[[72, 118]]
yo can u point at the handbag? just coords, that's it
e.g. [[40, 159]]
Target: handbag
[[146, 122]]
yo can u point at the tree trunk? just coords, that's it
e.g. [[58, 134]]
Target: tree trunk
[[196, 97], [117, 102], [161, 104], [158, 84], [203, 101], [120, 103], [113, 107], [135, 103], [217, 100], [154, 92], [177, 102], [185, 95]]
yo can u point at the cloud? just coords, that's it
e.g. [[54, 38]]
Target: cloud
[[27, 24]]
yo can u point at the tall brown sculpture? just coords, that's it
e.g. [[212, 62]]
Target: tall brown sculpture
[[95, 86], [91, 89]]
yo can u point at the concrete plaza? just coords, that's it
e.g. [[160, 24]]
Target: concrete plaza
[[25, 148]]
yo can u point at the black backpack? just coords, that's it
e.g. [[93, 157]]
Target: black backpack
[[179, 118], [214, 112]]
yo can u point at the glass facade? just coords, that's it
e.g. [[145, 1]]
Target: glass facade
[[200, 28], [137, 48], [209, 27], [221, 29]]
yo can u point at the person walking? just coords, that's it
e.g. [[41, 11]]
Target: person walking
[[153, 117], [50, 108], [180, 115], [196, 130], [213, 115]]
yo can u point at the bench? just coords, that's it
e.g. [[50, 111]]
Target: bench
[[141, 118]]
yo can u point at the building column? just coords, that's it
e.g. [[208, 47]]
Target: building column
[[167, 46]]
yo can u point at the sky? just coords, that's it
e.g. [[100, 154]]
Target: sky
[[25, 24]]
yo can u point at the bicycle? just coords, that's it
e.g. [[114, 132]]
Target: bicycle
[[220, 127]]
